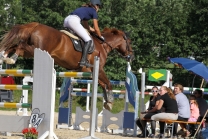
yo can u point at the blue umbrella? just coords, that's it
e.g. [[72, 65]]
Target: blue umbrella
[[194, 66]]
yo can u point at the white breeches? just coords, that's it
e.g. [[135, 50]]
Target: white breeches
[[73, 22], [164, 116]]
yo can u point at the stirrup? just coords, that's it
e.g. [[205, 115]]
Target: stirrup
[[82, 64], [89, 65]]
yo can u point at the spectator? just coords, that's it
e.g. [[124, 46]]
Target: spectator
[[194, 109], [153, 102], [7, 80], [168, 102], [203, 106], [194, 114], [183, 110]]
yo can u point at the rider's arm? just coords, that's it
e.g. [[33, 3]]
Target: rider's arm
[[86, 25], [97, 30]]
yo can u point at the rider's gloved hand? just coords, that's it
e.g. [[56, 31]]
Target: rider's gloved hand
[[102, 38]]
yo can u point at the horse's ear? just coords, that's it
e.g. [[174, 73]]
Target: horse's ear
[[106, 30], [127, 34]]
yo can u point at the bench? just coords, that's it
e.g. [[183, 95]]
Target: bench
[[170, 124], [175, 121]]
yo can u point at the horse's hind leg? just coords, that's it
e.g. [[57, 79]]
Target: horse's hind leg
[[4, 58], [8, 60]]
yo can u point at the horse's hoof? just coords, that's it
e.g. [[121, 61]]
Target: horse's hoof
[[110, 97], [108, 106], [9, 60]]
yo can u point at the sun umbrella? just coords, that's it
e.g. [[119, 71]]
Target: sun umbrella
[[194, 66]]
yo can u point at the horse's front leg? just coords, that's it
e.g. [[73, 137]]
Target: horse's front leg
[[107, 90]]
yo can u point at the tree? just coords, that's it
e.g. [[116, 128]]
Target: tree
[[158, 29], [10, 11]]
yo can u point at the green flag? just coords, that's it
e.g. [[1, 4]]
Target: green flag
[[157, 75]]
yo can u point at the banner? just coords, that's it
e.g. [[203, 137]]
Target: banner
[[157, 75]]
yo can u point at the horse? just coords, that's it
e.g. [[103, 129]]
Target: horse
[[22, 39]]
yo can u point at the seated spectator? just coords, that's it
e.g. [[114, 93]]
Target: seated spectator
[[203, 106], [183, 110], [202, 103], [194, 109], [168, 102], [153, 102], [194, 114]]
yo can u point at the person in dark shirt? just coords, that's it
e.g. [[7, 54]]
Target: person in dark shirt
[[202, 104], [83, 14], [168, 102], [153, 102]]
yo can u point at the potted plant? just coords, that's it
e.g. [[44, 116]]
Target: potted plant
[[30, 133]]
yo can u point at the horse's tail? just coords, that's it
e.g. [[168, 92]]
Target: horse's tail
[[18, 33]]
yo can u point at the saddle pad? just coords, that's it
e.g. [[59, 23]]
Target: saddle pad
[[77, 42], [69, 34]]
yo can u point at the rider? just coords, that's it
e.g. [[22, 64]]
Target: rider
[[73, 21]]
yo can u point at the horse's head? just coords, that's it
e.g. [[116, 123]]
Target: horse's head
[[118, 40]]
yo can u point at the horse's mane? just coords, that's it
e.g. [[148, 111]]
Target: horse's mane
[[113, 31]]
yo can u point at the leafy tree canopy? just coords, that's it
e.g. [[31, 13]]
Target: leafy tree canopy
[[158, 29]]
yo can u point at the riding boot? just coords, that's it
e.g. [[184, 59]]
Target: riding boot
[[83, 61]]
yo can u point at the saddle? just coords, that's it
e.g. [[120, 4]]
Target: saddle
[[78, 42]]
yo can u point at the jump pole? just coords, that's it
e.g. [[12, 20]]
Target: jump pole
[[142, 105], [88, 82], [93, 100], [24, 98], [14, 105], [88, 98], [27, 78]]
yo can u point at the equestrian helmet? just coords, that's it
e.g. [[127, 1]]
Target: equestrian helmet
[[96, 2]]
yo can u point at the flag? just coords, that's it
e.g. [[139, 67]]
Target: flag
[[157, 75]]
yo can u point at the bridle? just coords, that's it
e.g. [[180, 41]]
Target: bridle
[[127, 56]]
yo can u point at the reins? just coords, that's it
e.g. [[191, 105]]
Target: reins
[[125, 38], [95, 35]]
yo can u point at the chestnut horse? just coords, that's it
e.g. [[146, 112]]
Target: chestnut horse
[[21, 40]]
